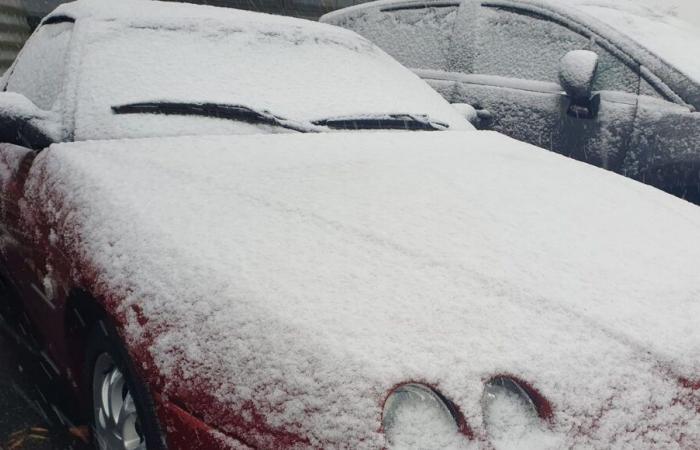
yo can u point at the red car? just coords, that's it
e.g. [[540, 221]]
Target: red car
[[226, 230]]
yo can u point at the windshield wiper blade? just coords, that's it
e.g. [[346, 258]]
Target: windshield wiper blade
[[383, 122], [239, 113]]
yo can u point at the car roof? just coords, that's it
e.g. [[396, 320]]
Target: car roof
[[167, 14]]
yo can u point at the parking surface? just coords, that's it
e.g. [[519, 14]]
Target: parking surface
[[25, 423]]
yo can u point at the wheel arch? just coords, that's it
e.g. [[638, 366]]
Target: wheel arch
[[81, 314]]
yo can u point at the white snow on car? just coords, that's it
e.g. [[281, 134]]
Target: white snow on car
[[300, 277], [308, 274]]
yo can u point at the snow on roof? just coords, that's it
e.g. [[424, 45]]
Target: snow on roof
[[308, 274], [167, 12]]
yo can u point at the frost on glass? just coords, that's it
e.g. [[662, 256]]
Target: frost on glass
[[523, 46], [612, 73], [519, 46], [40, 70], [418, 37]]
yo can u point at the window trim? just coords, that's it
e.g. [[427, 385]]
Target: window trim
[[416, 6]]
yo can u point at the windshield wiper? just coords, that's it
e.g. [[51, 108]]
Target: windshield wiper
[[383, 122], [240, 113]]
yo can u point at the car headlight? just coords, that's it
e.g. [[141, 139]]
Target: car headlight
[[510, 414], [416, 416]]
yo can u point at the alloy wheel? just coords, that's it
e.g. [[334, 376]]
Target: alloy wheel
[[116, 421]]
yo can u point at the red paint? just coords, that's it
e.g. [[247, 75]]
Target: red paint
[[186, 432], [689, 384], [71, 270]]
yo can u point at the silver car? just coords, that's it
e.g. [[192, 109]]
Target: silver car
[[615, 84]]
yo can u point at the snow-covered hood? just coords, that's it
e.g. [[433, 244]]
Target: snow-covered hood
[[300, 277]]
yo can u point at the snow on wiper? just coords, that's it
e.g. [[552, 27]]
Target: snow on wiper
[[383, 122], [240, 113]]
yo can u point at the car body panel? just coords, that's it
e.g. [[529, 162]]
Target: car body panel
[[422, 235], [667, 140]]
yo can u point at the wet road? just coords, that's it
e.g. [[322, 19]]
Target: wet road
[[18, 413], [26, 418]]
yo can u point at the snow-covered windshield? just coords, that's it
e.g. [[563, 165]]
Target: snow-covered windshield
[[300, 73], [670, 38]]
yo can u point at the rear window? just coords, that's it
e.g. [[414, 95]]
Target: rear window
[[417, 35]]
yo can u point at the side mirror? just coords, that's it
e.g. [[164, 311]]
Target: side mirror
[[467, 111], [23, 123], [480, 118], [577, 72]]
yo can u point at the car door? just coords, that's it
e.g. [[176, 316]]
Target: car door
[[505, 62], [665, 150], [38, 75]]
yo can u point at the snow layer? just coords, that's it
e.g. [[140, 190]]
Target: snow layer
[[577, 72], [512, 425], [135, 51], [16, 110], [418, 38], [305, 275]]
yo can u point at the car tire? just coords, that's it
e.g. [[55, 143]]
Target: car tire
[[122, 413]]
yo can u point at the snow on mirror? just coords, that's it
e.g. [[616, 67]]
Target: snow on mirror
[[577, 71], [511, 418], [467, 111], [23, 123], [416, 417]]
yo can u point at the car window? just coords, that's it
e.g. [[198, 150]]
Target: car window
[[522, 45], [613, 74], [125, 64], [417, 35], [41, 65], [645, 88]]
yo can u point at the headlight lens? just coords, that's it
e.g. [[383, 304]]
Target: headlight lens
[[510, 415], [416, 416]]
